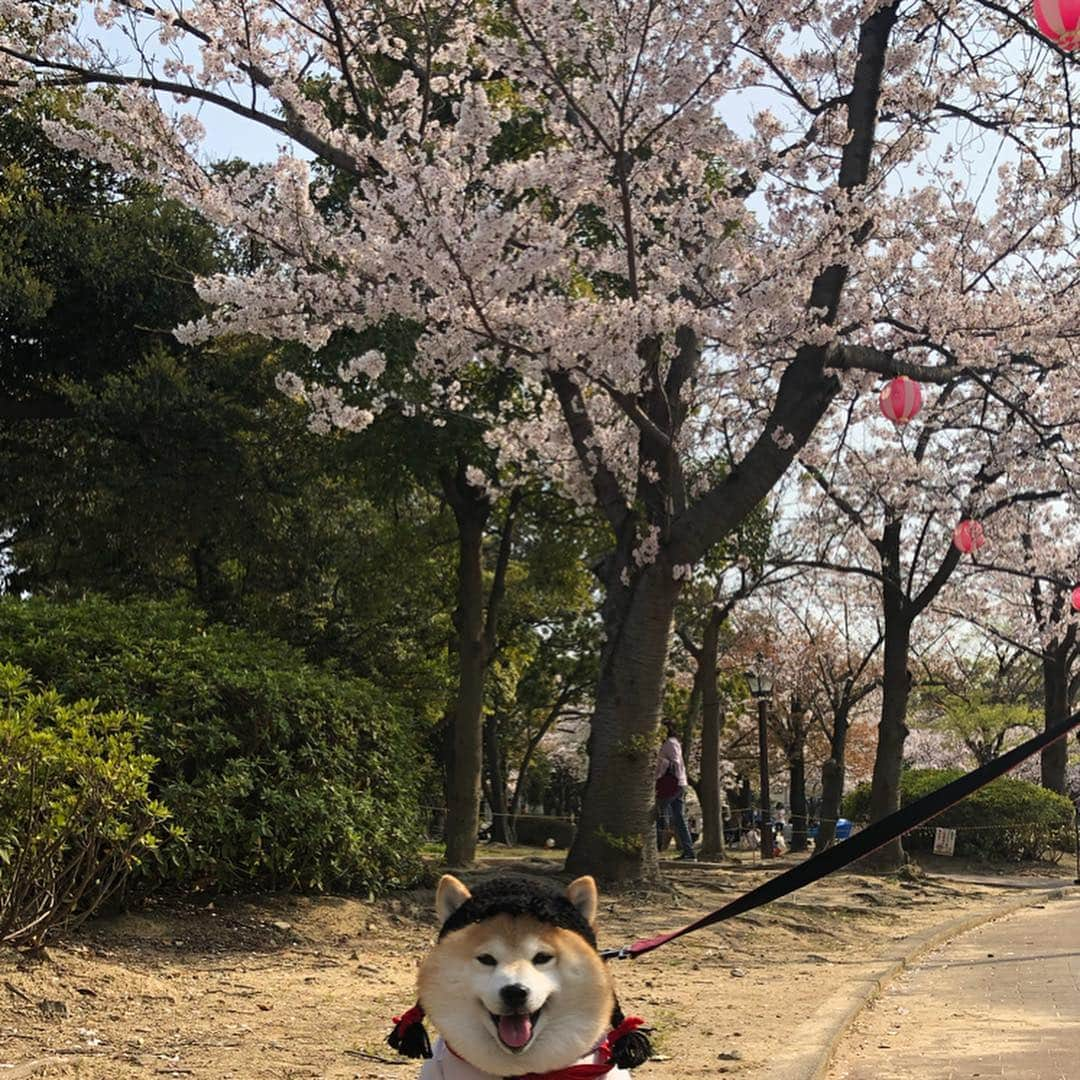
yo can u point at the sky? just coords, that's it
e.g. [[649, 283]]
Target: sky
[[227, 135], [230, 136]]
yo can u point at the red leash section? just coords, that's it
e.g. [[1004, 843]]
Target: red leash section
[[862, 843]]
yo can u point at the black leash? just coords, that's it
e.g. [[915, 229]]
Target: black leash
[[862, 843]]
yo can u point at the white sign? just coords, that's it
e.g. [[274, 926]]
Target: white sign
[[944, 841]]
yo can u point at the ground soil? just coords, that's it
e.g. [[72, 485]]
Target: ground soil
[[288, 987]]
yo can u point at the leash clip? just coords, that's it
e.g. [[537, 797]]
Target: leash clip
[[617, 954]]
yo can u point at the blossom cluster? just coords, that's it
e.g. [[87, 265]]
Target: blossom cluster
[[576, 189]]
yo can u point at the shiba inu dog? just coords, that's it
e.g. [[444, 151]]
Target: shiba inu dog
[[516, 987]]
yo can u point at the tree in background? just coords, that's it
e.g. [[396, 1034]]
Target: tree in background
[[732, 572], [831, 636], [900, 497], [545, 670], [134, 465], [1026, 584], [95, 267], [984, 700]]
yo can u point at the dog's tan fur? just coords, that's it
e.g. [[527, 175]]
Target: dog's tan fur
[[575, 985]]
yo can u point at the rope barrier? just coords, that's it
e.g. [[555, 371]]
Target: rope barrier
[[856, 823], [982, 828], [507, 814]]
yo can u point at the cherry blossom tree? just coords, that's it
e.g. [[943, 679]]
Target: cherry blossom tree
[[1027, 588], [901, 497], [833, 631], [680, 227], [731, 574]]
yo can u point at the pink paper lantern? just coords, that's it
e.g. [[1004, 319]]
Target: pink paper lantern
[[1059, 20], [902, 397], [968, 536], [1076, 598]]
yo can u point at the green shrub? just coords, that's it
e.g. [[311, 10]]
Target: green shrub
[[75, 810], [1010, 820], [282, 774], [535, 830]]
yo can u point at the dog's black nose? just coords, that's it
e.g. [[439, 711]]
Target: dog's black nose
[[514, 995]]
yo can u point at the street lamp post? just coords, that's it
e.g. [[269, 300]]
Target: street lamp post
[[760, 683]]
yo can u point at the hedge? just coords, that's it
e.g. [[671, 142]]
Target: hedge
[[280, 773], [1010, 820]]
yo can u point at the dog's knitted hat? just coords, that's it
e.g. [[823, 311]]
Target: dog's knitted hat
[[625, 1046], [519, 897]]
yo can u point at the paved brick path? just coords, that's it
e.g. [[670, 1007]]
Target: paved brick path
[[1000, 1001]]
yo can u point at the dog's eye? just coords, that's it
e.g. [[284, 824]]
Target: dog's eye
[[542, 958], [486, 959]]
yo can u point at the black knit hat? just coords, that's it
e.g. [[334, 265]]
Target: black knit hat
[[519, 896]]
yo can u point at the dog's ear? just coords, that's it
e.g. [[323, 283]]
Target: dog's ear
[[449, 896], [583, 895]]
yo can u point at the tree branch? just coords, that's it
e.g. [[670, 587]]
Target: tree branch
[[575, 412]]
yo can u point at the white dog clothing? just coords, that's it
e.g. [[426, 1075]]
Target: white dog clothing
[[446, 1065]]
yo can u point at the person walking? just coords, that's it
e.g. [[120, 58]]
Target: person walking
[[671, 785]]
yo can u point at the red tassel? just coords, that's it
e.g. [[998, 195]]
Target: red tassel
[[626, 1046], [630, 1023], [415, 1015], [409, 1036]]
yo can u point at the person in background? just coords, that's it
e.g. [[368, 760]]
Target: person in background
[[671, 785]]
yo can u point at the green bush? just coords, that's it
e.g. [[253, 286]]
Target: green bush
[[534, 830], [75, 810], [282, 774], [1009, 820]]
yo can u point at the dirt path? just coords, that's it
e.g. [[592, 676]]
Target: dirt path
[[290, 988], [1000, 1001]]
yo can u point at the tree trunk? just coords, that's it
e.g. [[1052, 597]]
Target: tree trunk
[[693, 708], [530, 750], [709, 793], [797, 784], [463, 787], [892, 731], [794, 743], [832, 781], [501, 831], [612, 837], [475, 625], [616, 837], [1055, 758]]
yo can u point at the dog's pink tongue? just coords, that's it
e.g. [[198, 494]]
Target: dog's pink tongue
[[515, 1031]]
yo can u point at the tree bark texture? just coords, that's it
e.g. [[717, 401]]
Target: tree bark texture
[[501, 826], [463, 784], [892, 730], [475, 623], [709, 794], [797, 785], [1055, 758], [616, 837], [793, 736], [832, 781]]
